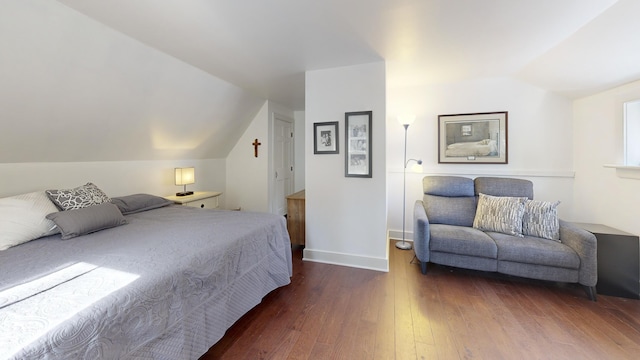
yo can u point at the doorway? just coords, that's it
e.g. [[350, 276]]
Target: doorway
[[282, 162]]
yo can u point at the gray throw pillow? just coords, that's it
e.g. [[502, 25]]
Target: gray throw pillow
[[135, 203], [501, 214], [541, 219], [90, 219], [78, 198]]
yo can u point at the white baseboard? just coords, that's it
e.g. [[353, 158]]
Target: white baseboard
[[356, 261], [397, 235]]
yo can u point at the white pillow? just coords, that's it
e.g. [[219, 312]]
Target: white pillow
[[23, 218]]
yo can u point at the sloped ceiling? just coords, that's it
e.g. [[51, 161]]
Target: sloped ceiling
[[604, 53], [265, 46], [90, 80], [74, 90]]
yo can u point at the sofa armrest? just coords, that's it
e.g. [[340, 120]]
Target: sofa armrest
[[584, 243], [421, 234]]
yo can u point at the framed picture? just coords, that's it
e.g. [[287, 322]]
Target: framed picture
[[357, 127], [325, 138], [479, 138]]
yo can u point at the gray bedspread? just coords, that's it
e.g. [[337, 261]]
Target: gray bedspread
[[165, 286]]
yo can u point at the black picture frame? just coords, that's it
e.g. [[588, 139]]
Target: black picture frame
[[325, 138], [478, 138], [358, 161]]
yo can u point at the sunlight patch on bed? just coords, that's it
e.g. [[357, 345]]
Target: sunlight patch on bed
[[32, 310]]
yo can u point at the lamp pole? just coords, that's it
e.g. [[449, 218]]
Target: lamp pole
[[404, 245]]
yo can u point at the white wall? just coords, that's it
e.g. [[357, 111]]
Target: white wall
[[540, 136], [346, 217], [115, 178], [248, 186], [604, 195]]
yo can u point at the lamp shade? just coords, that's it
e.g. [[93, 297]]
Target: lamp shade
[[417, 168], [406, 119], [185, 176]]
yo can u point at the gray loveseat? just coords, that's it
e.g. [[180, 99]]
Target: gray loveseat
[[444, 234]]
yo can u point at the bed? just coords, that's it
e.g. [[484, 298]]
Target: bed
[[486, 147], [165, 285]]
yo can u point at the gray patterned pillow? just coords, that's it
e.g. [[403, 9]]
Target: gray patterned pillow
[[78, 198], [501, 214], [541, 219]]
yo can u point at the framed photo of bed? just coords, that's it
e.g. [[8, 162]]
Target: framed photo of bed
[[357, 162], [479, 138], [325, 138]]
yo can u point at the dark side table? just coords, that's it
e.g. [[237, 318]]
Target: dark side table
[[618, 261]]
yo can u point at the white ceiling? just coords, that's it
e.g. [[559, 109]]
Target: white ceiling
[[575, 47]]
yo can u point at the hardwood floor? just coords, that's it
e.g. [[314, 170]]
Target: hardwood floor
[[335, 312]]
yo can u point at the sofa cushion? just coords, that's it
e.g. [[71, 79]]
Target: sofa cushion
[[449, 200], [540, 272], [464, 261], [533, 250], [495, 186], [450, 210], [462, 240], [450, 186], [500, 213]]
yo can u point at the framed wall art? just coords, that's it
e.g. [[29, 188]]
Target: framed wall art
[[358, 144], [479, 138], [325, 138]]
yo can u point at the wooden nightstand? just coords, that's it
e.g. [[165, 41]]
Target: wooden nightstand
[[200, 199]]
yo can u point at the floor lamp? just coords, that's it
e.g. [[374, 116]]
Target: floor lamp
[[405, 245]]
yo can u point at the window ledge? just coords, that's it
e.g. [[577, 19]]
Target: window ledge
[[625, 167], [625, 171]]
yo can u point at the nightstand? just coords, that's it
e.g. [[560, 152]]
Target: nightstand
[[200, 199], [618, 261]]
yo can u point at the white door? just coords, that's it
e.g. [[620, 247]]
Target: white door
[[282, 163]]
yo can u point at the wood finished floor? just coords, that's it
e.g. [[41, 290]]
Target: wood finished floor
[[335, 312]]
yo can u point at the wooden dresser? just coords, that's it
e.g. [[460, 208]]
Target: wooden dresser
[[295, 217]]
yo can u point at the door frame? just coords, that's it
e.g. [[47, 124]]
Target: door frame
[[272, 183]]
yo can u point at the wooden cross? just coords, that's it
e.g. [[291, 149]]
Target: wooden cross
[[255, 147]]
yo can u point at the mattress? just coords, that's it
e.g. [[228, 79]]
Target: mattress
[[167, 285]]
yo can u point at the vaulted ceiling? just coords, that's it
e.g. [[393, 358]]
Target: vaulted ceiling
[[575, 47], [96, 80]]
